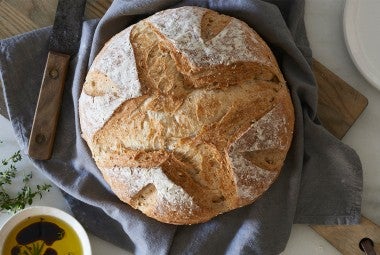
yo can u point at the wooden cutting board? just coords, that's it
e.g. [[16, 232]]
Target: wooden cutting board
[[339, 105]]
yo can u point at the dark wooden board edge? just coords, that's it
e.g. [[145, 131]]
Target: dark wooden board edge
[[339, 104]]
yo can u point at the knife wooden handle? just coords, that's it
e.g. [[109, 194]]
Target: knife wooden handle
[[48, 106]]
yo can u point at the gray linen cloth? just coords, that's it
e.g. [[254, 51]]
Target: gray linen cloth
[[321, 181]]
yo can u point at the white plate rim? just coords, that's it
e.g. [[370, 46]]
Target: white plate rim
[[354, 45], [47, 211]]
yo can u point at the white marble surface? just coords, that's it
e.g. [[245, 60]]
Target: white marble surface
[[324, 27]]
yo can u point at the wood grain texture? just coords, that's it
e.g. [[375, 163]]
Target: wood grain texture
[[339, 105], [48, 106], [96, 8], [346, 238], [13, 21], [20, 16]]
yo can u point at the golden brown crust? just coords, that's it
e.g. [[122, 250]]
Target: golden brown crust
[[196, 138]]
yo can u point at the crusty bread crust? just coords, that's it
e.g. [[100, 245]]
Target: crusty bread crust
[[187, 115]]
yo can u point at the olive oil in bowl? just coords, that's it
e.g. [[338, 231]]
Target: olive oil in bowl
[[43, 233]]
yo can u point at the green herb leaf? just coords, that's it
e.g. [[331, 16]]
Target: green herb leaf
[[8, 173]]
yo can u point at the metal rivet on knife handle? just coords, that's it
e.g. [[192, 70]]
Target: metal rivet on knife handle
[[53, 74], [40, 138]]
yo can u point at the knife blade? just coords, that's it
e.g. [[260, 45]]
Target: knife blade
[[64, 43]]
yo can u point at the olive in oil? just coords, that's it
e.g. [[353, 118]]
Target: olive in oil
[[45, 235]]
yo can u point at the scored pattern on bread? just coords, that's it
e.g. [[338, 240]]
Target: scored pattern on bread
[[111, 80], [233, 42], [137, 179], [249, 163], [187, 115]]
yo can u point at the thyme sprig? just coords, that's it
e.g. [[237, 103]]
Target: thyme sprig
[[24, 196]]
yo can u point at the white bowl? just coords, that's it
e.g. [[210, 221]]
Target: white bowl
[[37, 211]]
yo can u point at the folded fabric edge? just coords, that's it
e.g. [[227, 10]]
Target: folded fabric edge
[[353, 218]]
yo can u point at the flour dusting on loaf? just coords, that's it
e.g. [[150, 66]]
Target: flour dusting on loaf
[[187, 115], [167, 193], [236, 42], [116, 63]]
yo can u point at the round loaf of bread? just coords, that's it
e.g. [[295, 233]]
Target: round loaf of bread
[[187, 115]]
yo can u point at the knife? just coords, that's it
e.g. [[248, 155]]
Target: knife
[[63, 44]]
